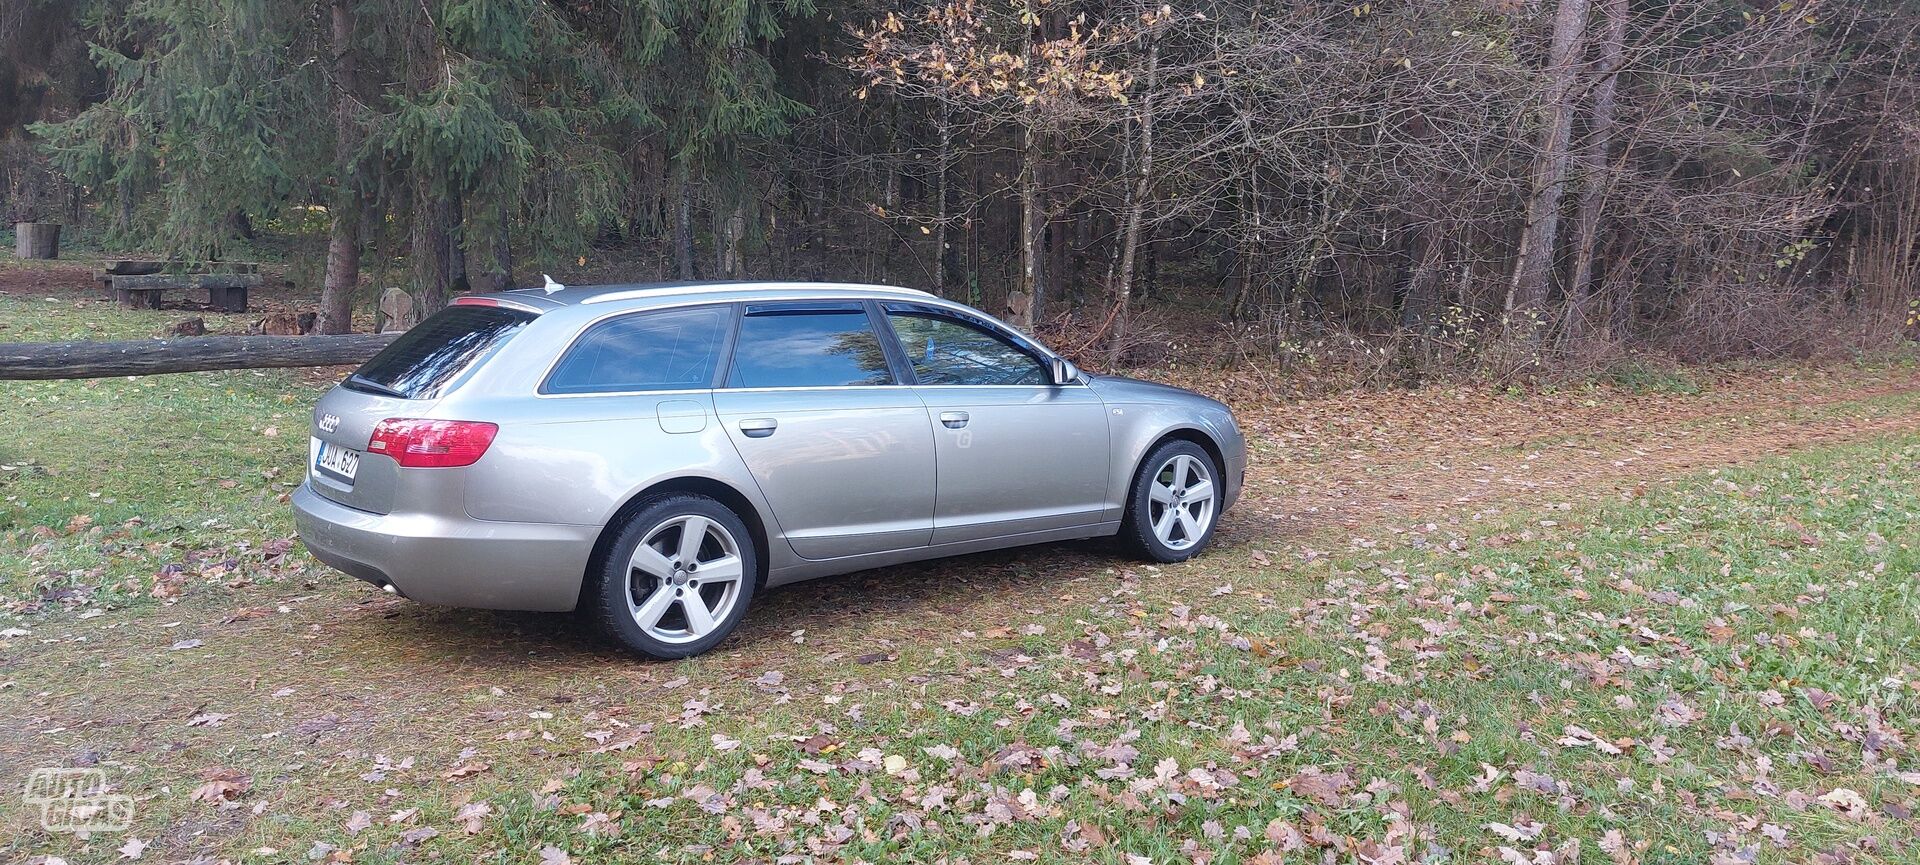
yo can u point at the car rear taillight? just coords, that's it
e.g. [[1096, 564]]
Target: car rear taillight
[[419, 443]]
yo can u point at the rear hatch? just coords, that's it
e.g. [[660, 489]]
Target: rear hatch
[[404, 380]]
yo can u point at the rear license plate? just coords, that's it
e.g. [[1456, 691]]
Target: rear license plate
[[336, 462]]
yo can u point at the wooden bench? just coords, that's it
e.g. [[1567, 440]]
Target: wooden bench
[[138, 284]]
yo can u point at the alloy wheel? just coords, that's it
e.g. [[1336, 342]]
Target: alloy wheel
[[684, 579], [1180, 501]]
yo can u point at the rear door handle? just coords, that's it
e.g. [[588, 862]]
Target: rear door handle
[[758, 427], [953, 419]]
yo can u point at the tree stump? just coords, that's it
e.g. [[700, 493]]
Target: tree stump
[[397, 311], [277, 324], [36, 239]]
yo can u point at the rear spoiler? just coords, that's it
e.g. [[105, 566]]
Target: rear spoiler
[[479, 300]]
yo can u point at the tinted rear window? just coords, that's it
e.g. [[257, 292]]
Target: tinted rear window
[[426, 360], [675, 350]]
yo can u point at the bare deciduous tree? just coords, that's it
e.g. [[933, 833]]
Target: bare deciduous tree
[[1540, 226]]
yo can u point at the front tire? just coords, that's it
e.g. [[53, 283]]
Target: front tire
[[677, 579], [1174, 505]]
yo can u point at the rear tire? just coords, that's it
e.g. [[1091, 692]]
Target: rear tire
[[677, 579], [1174, 504]]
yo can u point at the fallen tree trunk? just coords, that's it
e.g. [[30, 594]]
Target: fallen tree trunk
[[51, 360]]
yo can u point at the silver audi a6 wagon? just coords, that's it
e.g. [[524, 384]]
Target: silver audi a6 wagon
[[654, 455]]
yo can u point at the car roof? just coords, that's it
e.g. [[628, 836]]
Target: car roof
[[574, 305], [553, 295]]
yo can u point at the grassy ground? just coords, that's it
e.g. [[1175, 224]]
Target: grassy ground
[[1443, 627], [104, 482]]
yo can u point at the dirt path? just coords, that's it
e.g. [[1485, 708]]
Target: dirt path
[[1527, 455], [331, 668]]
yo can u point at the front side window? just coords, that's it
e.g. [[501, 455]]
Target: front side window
[[944, 351], [670, 350], [827, 345]]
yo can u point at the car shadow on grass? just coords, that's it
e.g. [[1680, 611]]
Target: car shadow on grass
[[838, 613]]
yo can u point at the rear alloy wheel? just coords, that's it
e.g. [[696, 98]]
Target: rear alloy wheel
[[1176, 497], [678, 578]]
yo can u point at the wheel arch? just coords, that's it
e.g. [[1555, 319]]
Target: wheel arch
[[1186, 433], [717, 490]]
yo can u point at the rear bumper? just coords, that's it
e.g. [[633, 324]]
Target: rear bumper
[[455, 562]]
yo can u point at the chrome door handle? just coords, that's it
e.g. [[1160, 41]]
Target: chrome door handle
[[953, 419], [758, 427]]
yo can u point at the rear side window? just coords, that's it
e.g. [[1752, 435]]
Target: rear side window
[[828, 345], [673, 350], [426, 360]]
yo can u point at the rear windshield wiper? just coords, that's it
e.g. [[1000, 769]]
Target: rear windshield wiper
[[360, 382]]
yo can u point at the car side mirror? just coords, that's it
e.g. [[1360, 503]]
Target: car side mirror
[[1064, 372]]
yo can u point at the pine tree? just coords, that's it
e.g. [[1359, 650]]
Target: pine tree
[[507, 121]]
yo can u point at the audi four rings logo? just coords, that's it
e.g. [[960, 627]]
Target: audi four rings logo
[[329, 422]]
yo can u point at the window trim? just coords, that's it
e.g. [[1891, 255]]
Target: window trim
[[729, 327], [835, 306], [903, 373], [887, 309]]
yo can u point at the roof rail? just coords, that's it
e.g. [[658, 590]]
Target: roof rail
[[738, 287]]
